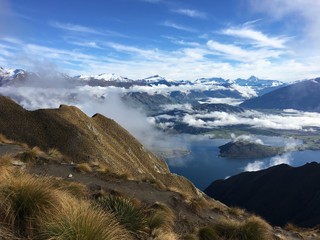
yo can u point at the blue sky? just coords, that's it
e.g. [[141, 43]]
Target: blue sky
[[186, 39]]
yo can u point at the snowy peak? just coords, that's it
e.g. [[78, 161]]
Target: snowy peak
[[257, 82], [154, 78], [210, 81], [9, 75], [105, 77]]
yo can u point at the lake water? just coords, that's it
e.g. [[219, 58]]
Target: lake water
[[203, 165]]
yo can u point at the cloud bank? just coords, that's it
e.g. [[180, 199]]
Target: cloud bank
[[260, 165]]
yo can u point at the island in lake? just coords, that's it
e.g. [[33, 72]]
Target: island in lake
[[244, 149]]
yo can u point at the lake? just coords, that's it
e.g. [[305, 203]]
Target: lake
[[203, 165]]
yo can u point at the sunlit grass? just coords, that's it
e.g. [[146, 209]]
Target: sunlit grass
[[252, 228], [79, 220], [23, 199]]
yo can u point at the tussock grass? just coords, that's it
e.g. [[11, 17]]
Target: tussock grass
[[99, 167], [197, 204], [55, 154], [160, 216], [189, 237], [6, 234], [6, 160], [159, 234], [73, 188], [252, 228], [293, 228], [79, 220], [5, 140], [126, 211], [84, 168], [237, 212], [24, 199], [6, 168], [207, 233], [31, 155]]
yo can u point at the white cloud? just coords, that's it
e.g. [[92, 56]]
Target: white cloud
[[229, 101], [191, 13], [260, 165], [249, 138], [294, 121], [258, 37], [178, 26], [188, 62], [304, 11], [254, 166], [231, 51], [76, 28]]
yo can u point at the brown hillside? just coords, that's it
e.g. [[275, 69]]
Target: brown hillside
[[85, 139], [79, 137]]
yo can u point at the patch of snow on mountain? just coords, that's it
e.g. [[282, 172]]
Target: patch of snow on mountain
[[104, 77]]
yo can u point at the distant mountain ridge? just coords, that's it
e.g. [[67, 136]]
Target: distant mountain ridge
[[304, 95], [105, 79], [281, 194]]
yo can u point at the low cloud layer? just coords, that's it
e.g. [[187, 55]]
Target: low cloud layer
[[260, 165], [286, 120]]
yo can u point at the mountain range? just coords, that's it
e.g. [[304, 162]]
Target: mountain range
[[18, 76]]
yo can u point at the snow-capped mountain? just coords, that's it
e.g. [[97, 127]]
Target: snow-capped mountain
[[104, 77], [8, 75], [257, 82], [211, 81], [154, 78]]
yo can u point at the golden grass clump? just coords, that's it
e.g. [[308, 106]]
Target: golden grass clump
[[251, 229], [79, 220], [24, 199], [236, 211], [6, 160], [31, 155], [160, 219], [159, 234], [129, 214], [5, 140], [6, 168], [160, 225], [99, 167], [55, 154], [73, 188], [84, 168], [197, 204]]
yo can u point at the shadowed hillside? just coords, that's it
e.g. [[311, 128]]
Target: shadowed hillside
[[303, 96], [280, 194]]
